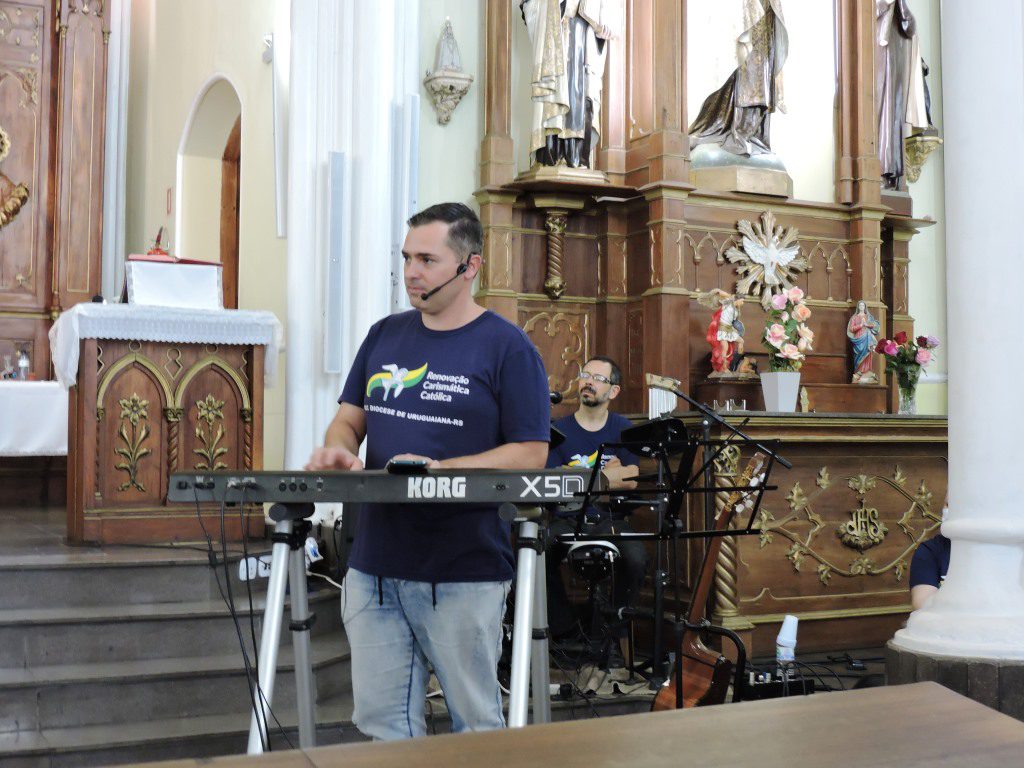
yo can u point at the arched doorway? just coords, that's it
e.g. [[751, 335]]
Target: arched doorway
[[209, 162]]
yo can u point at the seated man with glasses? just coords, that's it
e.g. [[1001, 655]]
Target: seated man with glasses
[[585, 431]]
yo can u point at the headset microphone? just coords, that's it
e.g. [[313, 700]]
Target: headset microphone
[[461, 268]]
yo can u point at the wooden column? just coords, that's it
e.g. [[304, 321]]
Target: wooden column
[[501, 272], [497, 161], [656, 101], [859, 173], [83, 30]]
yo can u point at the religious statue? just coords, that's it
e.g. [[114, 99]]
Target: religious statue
[[862, 331], [736, 116], [570, 45], [12, 196], [725, 335], [901, 101]]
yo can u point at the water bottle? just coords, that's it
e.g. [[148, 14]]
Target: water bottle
[[23, 365]]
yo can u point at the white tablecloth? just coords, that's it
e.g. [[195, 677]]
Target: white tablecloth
[[147, 323], [33, 418]]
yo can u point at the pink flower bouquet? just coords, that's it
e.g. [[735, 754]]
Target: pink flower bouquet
[[786, 336], [907, 357]]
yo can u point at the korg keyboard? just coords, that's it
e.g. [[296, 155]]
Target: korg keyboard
[[471, 486]]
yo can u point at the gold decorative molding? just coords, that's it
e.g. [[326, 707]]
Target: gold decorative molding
[[133, 412], [726, 468], [120, 365], [555, 220], [210, 361], [571, 332], [211, 411], [864, 530], [916, 150]]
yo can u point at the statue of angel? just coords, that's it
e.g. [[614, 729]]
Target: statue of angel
[[725, 332]]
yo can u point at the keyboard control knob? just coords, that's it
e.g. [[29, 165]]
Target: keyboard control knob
[[303, 486], [282, 486], [292, 486]]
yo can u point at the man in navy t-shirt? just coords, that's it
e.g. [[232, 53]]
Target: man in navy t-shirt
[[928, 569], [459, 387], [585, 431]]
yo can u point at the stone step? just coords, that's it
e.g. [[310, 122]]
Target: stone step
[[228, 734], [41, 698], [35, 637], [113, 577]]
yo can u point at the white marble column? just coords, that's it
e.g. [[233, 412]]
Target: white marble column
[[979, 611]]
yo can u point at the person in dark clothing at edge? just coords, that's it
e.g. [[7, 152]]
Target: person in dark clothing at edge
[[459, 387], [600, 382], [928, 568]]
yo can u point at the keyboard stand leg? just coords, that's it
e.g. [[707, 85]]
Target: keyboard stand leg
[[522, 625], [540, 677], [287, 560]]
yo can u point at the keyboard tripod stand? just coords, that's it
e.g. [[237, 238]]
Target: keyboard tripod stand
[[287, 576]]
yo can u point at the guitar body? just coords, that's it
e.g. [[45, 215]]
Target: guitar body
[[706, 674], [706, 678]]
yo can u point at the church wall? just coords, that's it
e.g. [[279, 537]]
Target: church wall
[[803, 137], [201, 209], [928, 249], [450, 154], [177, 47]]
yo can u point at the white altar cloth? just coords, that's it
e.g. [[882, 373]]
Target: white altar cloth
[[33, 418], [146, 323]]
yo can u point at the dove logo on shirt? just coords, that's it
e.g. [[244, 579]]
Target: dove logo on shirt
[[395, 379]]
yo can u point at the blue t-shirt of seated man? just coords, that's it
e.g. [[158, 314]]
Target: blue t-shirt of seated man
[[581, 446], [930, 562], [443, 394]]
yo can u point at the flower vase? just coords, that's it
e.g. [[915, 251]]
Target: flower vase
[[780, 389], [906, 382]]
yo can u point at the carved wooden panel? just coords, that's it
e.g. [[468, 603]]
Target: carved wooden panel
[[143, 410], [835, 540], [26, 34], [82, 35], [563, 338]]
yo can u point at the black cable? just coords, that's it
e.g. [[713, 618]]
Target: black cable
[[243, 523], [250, 669], [811, 665], [216, 577]]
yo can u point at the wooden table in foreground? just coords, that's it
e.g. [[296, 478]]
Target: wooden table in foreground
[[908, 725]]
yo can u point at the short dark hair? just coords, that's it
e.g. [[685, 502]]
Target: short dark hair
[[616, 376], [465, 233]]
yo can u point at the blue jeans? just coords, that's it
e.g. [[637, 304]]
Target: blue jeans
[[395, 632]]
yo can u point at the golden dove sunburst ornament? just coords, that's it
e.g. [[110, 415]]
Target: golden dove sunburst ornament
[[770, 258]]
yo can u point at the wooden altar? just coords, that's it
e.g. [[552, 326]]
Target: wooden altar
[[835, 540], [615, 266], [142, 410]]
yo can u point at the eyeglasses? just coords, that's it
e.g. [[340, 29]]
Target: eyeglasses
[[587, 375]]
